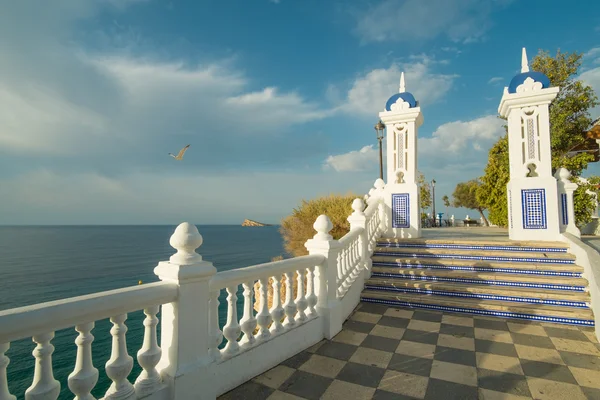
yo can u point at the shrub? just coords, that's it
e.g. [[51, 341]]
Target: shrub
[[297, 228]]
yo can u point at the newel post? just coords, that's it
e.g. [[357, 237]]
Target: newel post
[[326, 276], [185, 336], [358, 220], [565, 200]]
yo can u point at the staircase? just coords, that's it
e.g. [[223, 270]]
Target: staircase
[[523, 280]]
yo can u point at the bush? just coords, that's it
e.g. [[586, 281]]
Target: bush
[[297, 228]]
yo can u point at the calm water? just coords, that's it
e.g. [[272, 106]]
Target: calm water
[[40, 264]]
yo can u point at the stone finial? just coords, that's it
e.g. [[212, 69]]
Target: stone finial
[[562, 174], [379, 184], [323, 225], [402, 85], [524, 62], [371, 192], [358, 206], [186, 239]]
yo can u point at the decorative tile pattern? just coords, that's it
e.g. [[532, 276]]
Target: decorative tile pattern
[[534, 208], [478, 258], [563, 207], [492, 369], [401, 150], [521, 249], [530, 140], [400, 210]]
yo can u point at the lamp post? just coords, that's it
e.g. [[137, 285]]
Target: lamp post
[[433, 201], [379, 127]]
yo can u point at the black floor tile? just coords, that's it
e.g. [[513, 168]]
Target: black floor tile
[[373, 308], [488, 324], [457, 330], [421, 337], [566, 334], [394, 322], [341, 351], [532, 340], [501, 349], [591, 394], [304, 384], [428, 316], [410, 364], [438, 389], [361, 374], [248, 390], [580, 360], [503, 382], [297, 360], [455, 356], [552, 372], [383, 395], [357, 326], [380, 343]]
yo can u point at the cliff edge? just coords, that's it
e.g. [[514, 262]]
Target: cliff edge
[[249, 222]]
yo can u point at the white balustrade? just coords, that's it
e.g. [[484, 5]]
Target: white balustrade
[[44, 386], [301, 302], [120, 363], [277, 312], [149, 355], [232, 329], [289, 306], [4, 361], [216, 335], [264, 316], [84, 377], [311, 297], [248, 321]]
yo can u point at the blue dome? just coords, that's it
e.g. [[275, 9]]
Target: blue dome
[[520, 78], [406, 96]]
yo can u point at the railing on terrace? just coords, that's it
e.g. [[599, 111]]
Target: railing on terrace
[[191, 361]]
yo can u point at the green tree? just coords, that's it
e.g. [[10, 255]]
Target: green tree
[[424, 191], [446, 201], [569, 120], [465, 195]]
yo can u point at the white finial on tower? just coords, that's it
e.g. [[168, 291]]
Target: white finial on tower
[[524, 62], [402, 87]]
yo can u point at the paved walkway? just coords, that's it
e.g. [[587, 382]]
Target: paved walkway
[[388, 353]]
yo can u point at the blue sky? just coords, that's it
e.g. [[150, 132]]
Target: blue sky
[[277, 98]]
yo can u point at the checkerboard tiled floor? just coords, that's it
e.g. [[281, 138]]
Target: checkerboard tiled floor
[[389, 353]]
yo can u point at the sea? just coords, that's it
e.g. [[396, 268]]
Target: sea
[[46, 263]]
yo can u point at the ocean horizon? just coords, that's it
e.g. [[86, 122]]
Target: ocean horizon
[[43, 263]]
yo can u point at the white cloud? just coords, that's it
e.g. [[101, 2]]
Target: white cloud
[[495, 79], [591, 76], [364, 159], [369, 92], [407, 20]]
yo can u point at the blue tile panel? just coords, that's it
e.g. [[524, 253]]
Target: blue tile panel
[[475, 247], [400, 210], [563, 206], [504, 314], [478, 269], [477, 258], [480, 281], [534, 208], [482, 296]]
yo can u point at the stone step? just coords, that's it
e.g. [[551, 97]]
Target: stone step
[[543, 313], [457, 290], [457, 254], [569, 270], [484, 278], [508, 246]]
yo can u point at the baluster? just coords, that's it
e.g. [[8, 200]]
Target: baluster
[[4, 361], [215, 332], [264, 317], [289, 306], [276, 311], [232, 329], [148, 356], [301, 302], [119, 366], [83, 379], [339, 262], [248, 321], [44, 385], [311, 297]]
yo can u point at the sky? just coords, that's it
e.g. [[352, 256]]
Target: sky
[[277, 98]]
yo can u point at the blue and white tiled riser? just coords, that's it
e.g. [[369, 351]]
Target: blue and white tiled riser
[[474, 247], [479, 258], [400, 210], [534, 208]]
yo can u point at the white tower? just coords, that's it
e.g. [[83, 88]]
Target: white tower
[[532, 190], [402, 118]]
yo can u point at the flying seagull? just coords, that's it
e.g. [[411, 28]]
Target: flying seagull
[[181, 153]]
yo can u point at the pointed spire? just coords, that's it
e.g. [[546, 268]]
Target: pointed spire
[[402, 87], [524, 62]]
